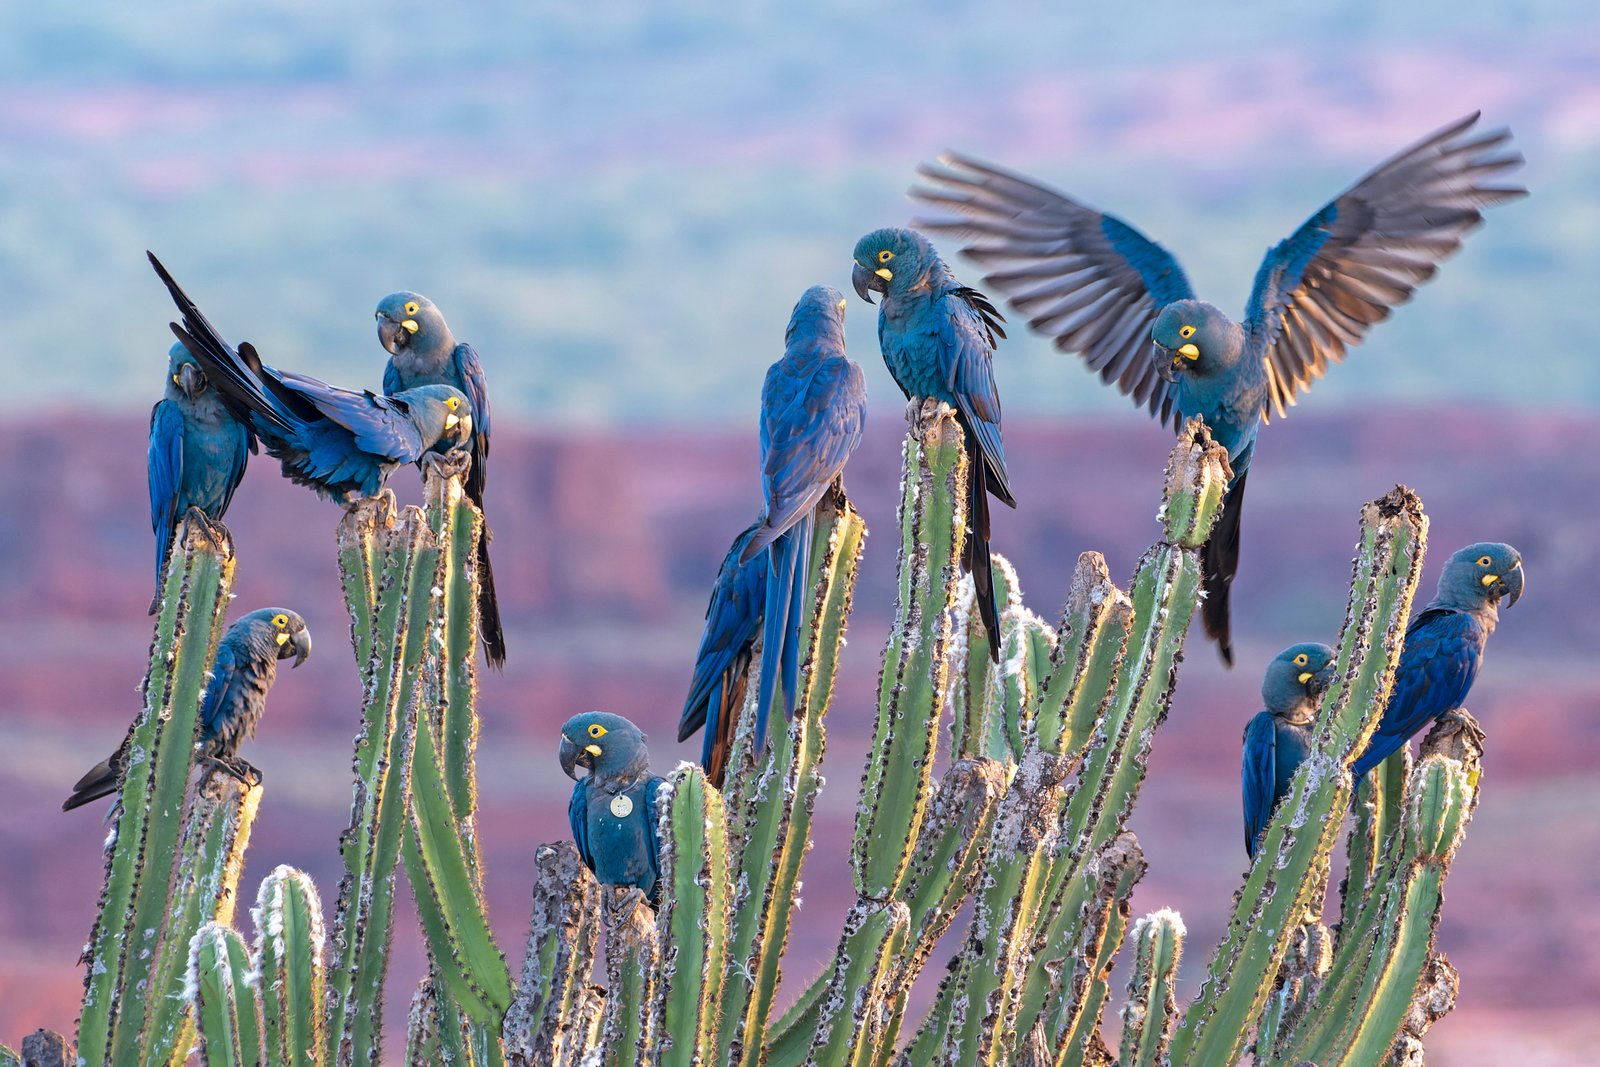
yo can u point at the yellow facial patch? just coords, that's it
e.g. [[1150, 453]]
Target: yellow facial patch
[[410, 325], [282, 638], [885, 273], [593, 750], [596, 730], [1490, 579], [1189, 352], [1306, 677]]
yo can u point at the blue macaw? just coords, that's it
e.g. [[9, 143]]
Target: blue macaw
[[232, 705], [343, 443], [1444, 645], [813, 410], [613, 808], [1277, 740], [938, 339], [1102, 289], [197, 456], [422, 351], [733, 619]]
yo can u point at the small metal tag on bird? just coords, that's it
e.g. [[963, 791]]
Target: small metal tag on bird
[[621, 806]]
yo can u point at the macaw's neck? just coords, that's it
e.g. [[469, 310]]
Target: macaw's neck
[[425, 357], [629, 775], [1486, 611]]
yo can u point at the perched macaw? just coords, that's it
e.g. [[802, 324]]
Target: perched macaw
[[343, 443], [733, 619], [197, 456], [1444, 645], [1102, 289], [938, 339], [1277, 740], [613, 808], [235, 697], [422, 351], [813, 409]]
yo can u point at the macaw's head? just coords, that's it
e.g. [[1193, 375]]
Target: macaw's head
[[607, 746], [1193, 337], [891, 261], [1481, 575], [410, 322], [184, 373], [1296, 677], [819, 313], [278, 630], [442, 413]]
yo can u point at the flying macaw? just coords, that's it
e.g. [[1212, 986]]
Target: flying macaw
[[1277, 740], [423, 351], [234, 700], [938, 339], [1102, 289], [613, 807]]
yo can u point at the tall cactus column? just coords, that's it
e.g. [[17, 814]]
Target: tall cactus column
[[144, 844]]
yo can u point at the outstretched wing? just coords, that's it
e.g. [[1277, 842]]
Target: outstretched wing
[[1084, 278], [809, 427], [1318, 292], [1257, 771], [469, 373], [381, 425]]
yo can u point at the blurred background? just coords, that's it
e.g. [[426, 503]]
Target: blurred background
[[618, 204]]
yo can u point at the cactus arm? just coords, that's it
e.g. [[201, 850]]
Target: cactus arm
[[1152, 1006], [144, 844], [216, 832], [561, 944], [1289, 865], [874, 933], [693, 917], [371, 846], [769, 807], [424, 1028], [226, 1011], [632, 956], [1089, 646], [895, 785], [458, 525], [288, 954]]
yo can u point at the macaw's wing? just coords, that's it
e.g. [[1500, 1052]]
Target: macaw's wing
[[225, 710], [237, 444], [733, 617], [391, 379], [578, 816], [380, 425], [1084, 278], [165, 461], [1320, 290], [652, 844], [469, 373], [966, 338], [809, 427], [1257, 771], [1436, 670]]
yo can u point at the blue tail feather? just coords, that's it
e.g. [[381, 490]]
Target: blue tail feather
[[780, 642]]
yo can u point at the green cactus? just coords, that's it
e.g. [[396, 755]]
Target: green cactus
[[288, 964], [541, 1025], [632, 962], [1152, 1005], [144, 847], [226, 1010]]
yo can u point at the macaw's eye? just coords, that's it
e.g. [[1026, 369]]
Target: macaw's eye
[[281, 621], [453, 403], [412, 307], [1484, 561], [1185, 332], [885, 256], [1301, 660], [596, 730]]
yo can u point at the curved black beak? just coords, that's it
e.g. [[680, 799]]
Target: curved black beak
[[300, 643], [1511, 583], [391, 334], [867, 283], [569, 757], [191, 380], [1166, 360]]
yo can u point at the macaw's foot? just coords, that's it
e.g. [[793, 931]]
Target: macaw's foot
[[245, 772], [1457, 735], [380, 507], [213, 529], [452, 464]]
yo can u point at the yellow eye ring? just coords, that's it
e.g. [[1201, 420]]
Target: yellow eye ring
[[596, 730], [453, 402], [1484, 561], [1185, 332], [885, 256], [412, 307], [281, 621], [1301, 660]]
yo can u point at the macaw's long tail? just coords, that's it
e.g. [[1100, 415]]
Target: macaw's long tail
[[101, 781], [975, 552], [1219, 563], [789, 556], [490, 631], [722, 716]]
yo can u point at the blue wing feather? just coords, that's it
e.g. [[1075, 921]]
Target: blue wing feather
[[578, 816], [165, 462], [1257, 773], [1436, 672]]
